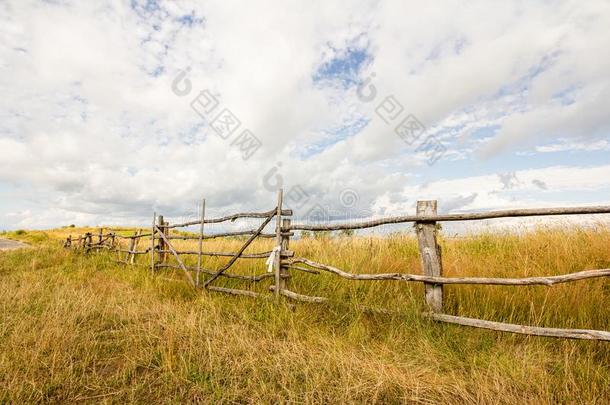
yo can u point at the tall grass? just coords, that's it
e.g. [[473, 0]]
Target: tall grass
[[77, 327]]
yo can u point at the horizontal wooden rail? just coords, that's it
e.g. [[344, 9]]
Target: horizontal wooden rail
[[304, 269], [522, 329], [231, 218], [589, 334], [254, 278], [222, 235], [143, 235], [235, 291], [261, 255], [134, 252], [528, 212], [543, 280], [299, 297], [96, 246], [73, 239]]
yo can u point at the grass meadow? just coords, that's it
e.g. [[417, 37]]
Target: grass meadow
[[84, 328]]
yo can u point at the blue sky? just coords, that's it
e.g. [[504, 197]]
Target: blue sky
[[482, 106]]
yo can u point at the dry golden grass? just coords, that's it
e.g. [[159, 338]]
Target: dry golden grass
[[77, 327]]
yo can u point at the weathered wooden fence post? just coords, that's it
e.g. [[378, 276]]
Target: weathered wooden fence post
[[285, 234], [166, 232], [430, 253], [130, 248], [152, 244], [278, 242], [100, 242], [89, 242], [200, 251], [136, 241], [119, 253], [161, 244]]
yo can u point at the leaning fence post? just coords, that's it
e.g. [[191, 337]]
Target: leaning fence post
[[430, 253], [278, 241], [285, 232]]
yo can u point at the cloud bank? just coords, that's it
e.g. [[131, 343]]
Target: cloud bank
[[92, 132]]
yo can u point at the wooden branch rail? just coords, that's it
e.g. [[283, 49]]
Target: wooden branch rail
[[299, 297], [589, 334], [222, 235], [530, 212], [143, 235], [304, 269], [546, 280], [522, 329], [231, 218], [235, 291], [260, 255], [135, 252], [254, 278]]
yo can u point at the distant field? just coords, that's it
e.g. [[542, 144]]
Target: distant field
[[77, 327]]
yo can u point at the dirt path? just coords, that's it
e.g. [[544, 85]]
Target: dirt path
[[6, 244]]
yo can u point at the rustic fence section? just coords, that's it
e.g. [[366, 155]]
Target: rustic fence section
[[161, 247], [280, 260]]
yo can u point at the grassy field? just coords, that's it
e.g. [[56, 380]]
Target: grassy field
[[76, 327]]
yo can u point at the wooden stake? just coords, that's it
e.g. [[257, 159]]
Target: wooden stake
[[430, 253], [284, 274], [135, 247], [89, 242], [152, 244], [131, 247], [161, 243], [200, 242], [278, 242]]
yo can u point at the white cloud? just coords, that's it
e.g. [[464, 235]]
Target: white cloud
[[601, 145], [88, 117]]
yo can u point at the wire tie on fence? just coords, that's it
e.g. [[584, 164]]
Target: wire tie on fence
[[271, 259]]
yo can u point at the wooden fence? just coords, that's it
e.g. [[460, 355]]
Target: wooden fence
[[282, 261]]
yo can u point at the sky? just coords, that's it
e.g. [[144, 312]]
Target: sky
[[113, 110]]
